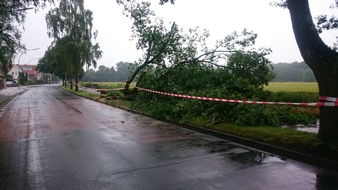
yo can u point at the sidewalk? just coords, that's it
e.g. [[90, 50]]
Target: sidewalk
[[7, 93]]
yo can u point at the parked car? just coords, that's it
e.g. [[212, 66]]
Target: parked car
[[10, 83]]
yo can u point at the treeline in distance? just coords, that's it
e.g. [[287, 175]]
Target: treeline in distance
[[293, 72], [106, 74], [285, 72]]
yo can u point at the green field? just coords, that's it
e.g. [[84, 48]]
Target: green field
[[273, 86], [109, 85], [292, 87]]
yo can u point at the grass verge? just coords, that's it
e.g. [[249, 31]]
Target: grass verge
[[303, 142], [101, 98]]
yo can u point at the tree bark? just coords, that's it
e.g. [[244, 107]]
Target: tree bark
[[71, 83], [322, 60], [132, 77], [65, 80], [76, 83]]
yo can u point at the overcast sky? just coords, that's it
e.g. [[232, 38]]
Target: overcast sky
[[220, 17]]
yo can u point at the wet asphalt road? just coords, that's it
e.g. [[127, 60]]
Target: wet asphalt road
[[50, 139]]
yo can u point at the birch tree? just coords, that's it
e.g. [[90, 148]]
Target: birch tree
[[72, 23]]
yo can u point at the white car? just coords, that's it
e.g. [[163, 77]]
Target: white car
[[10, 83]]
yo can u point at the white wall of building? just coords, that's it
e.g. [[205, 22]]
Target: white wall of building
[[14, 72]]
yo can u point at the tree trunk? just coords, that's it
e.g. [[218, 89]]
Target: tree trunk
[[323, 62], [130, 80], [76, 85], [65, 80], [71, 83]]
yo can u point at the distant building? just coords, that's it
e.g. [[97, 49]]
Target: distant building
[[14, 72], [30, 70]]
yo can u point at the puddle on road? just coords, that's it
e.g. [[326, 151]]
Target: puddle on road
[[250, 157], [242, 155], [311, 128], [170, 143]]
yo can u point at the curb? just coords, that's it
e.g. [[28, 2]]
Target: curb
[[321, 162], [6, 100], [329, 164], [324, 163], [9, 98]]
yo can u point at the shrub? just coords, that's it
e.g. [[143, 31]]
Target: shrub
[[272, 115], [256, 115]]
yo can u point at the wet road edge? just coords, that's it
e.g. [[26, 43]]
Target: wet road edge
[[8, 99], [321, 162]]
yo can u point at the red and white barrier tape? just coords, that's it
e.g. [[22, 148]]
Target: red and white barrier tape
[[317, 104], [328, 99], [118, 89]]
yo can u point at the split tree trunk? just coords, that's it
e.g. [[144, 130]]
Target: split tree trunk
[[130, 80]]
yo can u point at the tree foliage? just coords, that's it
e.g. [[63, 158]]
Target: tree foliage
[[183, 63], [164, 47], [70, 24], [12, 16]]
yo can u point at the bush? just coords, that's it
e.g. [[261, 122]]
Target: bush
[[272, 115], [256, 115]]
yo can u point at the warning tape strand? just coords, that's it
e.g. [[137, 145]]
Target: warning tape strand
[[326, 101], [332, 101]]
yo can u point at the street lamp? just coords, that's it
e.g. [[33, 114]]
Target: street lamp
[[33, 59], [24, 52]]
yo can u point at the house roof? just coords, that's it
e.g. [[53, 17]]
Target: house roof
[[27, 67], [31, 72]]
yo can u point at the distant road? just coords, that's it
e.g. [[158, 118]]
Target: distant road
[[50, 139]]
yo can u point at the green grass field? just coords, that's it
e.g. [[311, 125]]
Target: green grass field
[[273, 86], [292, 87], [109, 85]]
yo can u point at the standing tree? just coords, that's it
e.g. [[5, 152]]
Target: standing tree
[[58, 59], [323, 62], [72, 23]]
